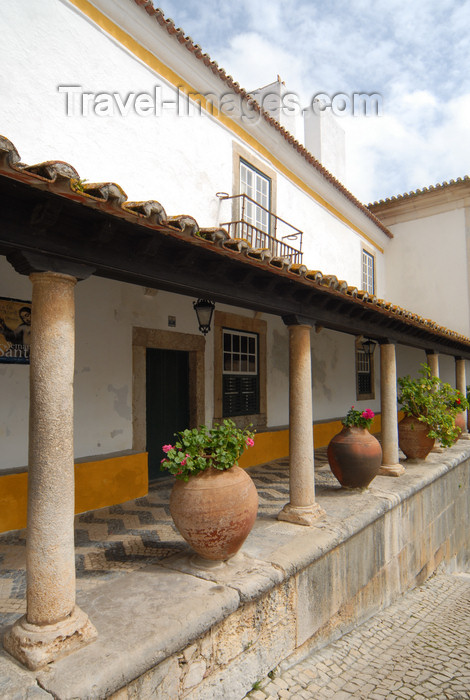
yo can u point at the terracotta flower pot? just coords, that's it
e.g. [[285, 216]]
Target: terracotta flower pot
[[355, 457], [215, 510], [413, 438]]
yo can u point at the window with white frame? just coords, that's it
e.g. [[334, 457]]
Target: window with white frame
[[258, 187], [240, 373], [368, 272]]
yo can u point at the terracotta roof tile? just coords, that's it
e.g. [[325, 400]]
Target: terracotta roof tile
[[62, 179], [151, 210], [417, 192]]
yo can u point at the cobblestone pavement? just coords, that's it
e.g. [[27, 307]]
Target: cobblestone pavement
[[417, 648]]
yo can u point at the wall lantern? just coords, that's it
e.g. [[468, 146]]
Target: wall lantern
[[204, 310], [368, 345]]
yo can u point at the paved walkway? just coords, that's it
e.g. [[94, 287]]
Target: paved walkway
[[417, 648], [124, 538]]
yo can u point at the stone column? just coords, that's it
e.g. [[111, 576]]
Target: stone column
[[461, 385], [53, 625], [388, 398], [302, 508], [432, 359]]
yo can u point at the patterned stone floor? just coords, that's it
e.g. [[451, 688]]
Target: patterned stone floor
[[113, 541]]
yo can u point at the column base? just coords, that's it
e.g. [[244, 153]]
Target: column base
[[38, 645], [391, 470], [301, 515], [464, 436]]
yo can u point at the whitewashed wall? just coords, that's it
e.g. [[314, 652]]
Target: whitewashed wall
[[334, 375], [409, 361], [14, 384], [328, 244], [447, 369], [427, 268], [106, 312], [180, 160], [164, 158]]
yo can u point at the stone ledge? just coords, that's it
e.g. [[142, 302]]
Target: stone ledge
[[250, 577], [141, 619], [292, 549]]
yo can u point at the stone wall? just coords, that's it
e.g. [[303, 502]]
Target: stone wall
[[394, 547]]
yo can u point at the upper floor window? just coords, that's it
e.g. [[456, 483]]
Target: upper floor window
[[254, 216], [258, 187], [368, 272]]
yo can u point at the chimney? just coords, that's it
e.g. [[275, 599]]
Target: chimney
[[325, 140], [273, 98]]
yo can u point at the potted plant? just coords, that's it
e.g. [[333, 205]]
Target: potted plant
[[354, 454], [430, 407], [213, 502], [457, 403]]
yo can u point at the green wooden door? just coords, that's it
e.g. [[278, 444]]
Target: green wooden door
[[167, 402]]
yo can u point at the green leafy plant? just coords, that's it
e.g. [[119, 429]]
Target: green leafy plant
[[78, 184], [432, 402], [197, 449], [358, 419]]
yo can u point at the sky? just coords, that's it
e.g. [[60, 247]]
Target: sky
[[415, 55]]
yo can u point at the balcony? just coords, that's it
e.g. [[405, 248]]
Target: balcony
[[262, 229]]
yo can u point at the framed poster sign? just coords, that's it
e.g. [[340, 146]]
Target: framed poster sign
[[15, 331]]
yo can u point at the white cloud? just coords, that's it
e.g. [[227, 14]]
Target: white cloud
[[413, 54]]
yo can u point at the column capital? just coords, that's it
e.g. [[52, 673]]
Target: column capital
[[26, 262], [297, 320]]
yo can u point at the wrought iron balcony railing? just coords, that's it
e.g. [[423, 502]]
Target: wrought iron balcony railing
[[262, 229]]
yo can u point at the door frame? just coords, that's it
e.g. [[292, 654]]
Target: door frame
[[143, 338]]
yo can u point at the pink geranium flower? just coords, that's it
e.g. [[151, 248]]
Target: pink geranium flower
[[368, 414], [250, 442], [167, 448]]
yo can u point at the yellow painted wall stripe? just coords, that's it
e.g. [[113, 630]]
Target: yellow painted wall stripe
[[100, 483], [162, 69], [122, 478]]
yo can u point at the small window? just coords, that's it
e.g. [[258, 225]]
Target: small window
[[368, 272], [240, 373], [364, 374]]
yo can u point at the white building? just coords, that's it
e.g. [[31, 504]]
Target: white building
[[215, 200]]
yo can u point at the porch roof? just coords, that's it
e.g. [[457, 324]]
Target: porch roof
[[48, 211]]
